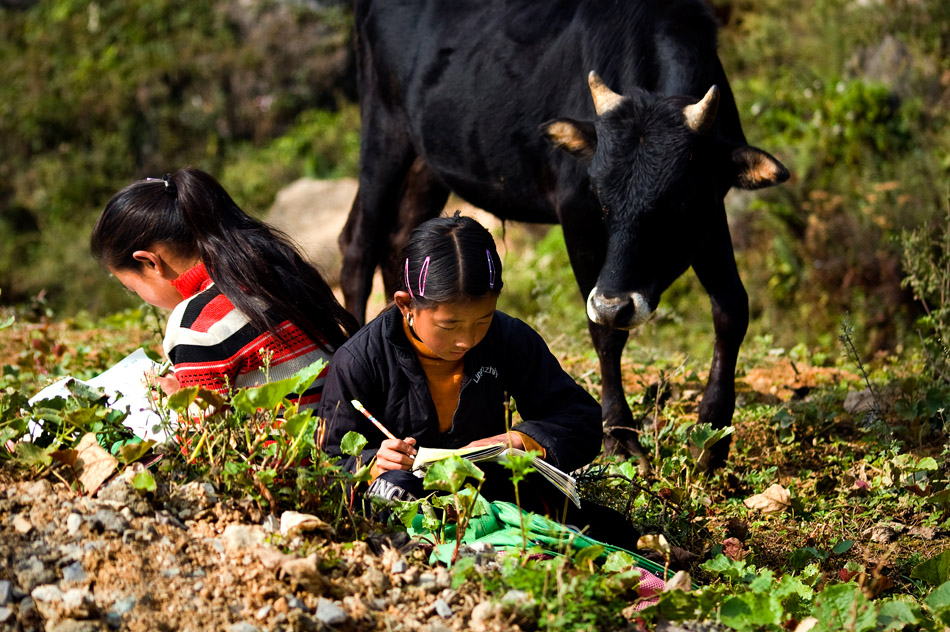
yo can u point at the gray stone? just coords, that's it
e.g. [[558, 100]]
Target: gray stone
[[296, 603], [26, 607], [39, 489], [242, 536], [6, 591], [399, 566], [74, 573], [443, 609], [329, 613], [241, 626], [108, 520], [79, 603], [31, 572], [124, 605], [69, 552], [5, 614], [121, 492]]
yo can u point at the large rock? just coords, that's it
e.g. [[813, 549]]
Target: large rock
[[313, 213]]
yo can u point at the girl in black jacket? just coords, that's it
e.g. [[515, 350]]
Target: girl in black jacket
[[438, 367]]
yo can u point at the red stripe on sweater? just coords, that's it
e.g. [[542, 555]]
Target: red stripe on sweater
[[216, 309]]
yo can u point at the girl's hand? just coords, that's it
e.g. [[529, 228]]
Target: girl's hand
[[510, 439], [394, 454], [168, 383]]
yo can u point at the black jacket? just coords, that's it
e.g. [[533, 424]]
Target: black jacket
[[379, 367]]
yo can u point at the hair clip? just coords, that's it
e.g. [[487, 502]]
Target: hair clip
[[423, 274], [408, 287], [491, 270], [167, 181]]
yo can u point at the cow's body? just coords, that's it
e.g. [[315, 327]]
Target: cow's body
[[488, 99]]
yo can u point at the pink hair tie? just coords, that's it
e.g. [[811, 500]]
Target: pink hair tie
[[408, 287], [491, 270], [423, 273]]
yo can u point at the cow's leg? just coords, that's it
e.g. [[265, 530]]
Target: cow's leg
[[423, 197], [586, 244], [384, 163], [716, 269]]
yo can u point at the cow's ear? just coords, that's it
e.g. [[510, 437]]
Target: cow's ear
[[577, 138], [755, 169]]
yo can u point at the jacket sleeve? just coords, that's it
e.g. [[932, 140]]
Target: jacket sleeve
[[557, 412], [348, 378]]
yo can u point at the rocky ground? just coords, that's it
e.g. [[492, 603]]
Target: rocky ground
[[191, 561]]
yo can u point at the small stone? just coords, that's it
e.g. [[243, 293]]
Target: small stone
[[79, 603], [241, 626], [296, 603], [280, 605], [74, 573], [329, 613], [72, 625], [263, 612], [443, 609], [22, 524], [73, 523], [482, 614], [39, 489], [437, 626], [883, 532], [399, 567], [48, 599], [108, 520], [124, 605], [242, 536], [5, 614], [31, 573], [27, 607], [6, 591]]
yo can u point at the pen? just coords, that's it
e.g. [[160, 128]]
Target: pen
[[358, 406]]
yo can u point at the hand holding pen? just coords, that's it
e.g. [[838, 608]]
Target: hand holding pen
[[393, 453]]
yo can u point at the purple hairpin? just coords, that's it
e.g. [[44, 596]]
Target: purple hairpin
[[491, 270], [423, 273], [408, 287]]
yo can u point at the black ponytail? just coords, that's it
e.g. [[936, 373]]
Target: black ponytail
[[254, 265], [450, 259]]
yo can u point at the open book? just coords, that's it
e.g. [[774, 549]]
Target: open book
[[127, 378], [497, 452]]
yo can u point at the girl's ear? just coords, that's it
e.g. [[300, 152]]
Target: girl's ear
[[151, 262], [403, 301]]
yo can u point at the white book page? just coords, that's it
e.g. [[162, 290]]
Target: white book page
[[128, 378]]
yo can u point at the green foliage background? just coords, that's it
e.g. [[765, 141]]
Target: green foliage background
[[852, 96]]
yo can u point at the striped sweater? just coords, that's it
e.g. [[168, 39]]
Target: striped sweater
[[212, 344]]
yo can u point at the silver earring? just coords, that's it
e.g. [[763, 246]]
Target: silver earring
[[409, 320]]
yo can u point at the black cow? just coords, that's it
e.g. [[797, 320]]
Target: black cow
[[487, 98]]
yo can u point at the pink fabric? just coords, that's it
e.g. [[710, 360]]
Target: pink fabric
[[649, 589]]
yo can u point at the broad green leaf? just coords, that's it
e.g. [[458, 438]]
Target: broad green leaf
[[703, 436], [295, 424], [934, 571], [131, 452], [152, 355], [584, 559], [927, 463], [842, 546], [896, 614], [939, 598], [618, 561], [448, 475], [751, 611], [363, 475], [33, 455], [267, 396], [181, 399], [722, 565], [405, 511], [352, 443], [305, 377], [844, 607], [6, 323], [144, 481]]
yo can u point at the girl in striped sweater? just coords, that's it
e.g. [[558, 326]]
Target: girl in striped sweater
[[242, 297]]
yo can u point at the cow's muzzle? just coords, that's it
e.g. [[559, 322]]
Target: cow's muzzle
[[620, 311]]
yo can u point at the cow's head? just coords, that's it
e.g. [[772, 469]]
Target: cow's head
[[660, 169]]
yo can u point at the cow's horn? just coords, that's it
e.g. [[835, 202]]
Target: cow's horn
[[700, 116], [605, 99]]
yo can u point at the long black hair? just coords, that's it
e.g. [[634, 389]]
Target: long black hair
[[254, 265], [450, 259]]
